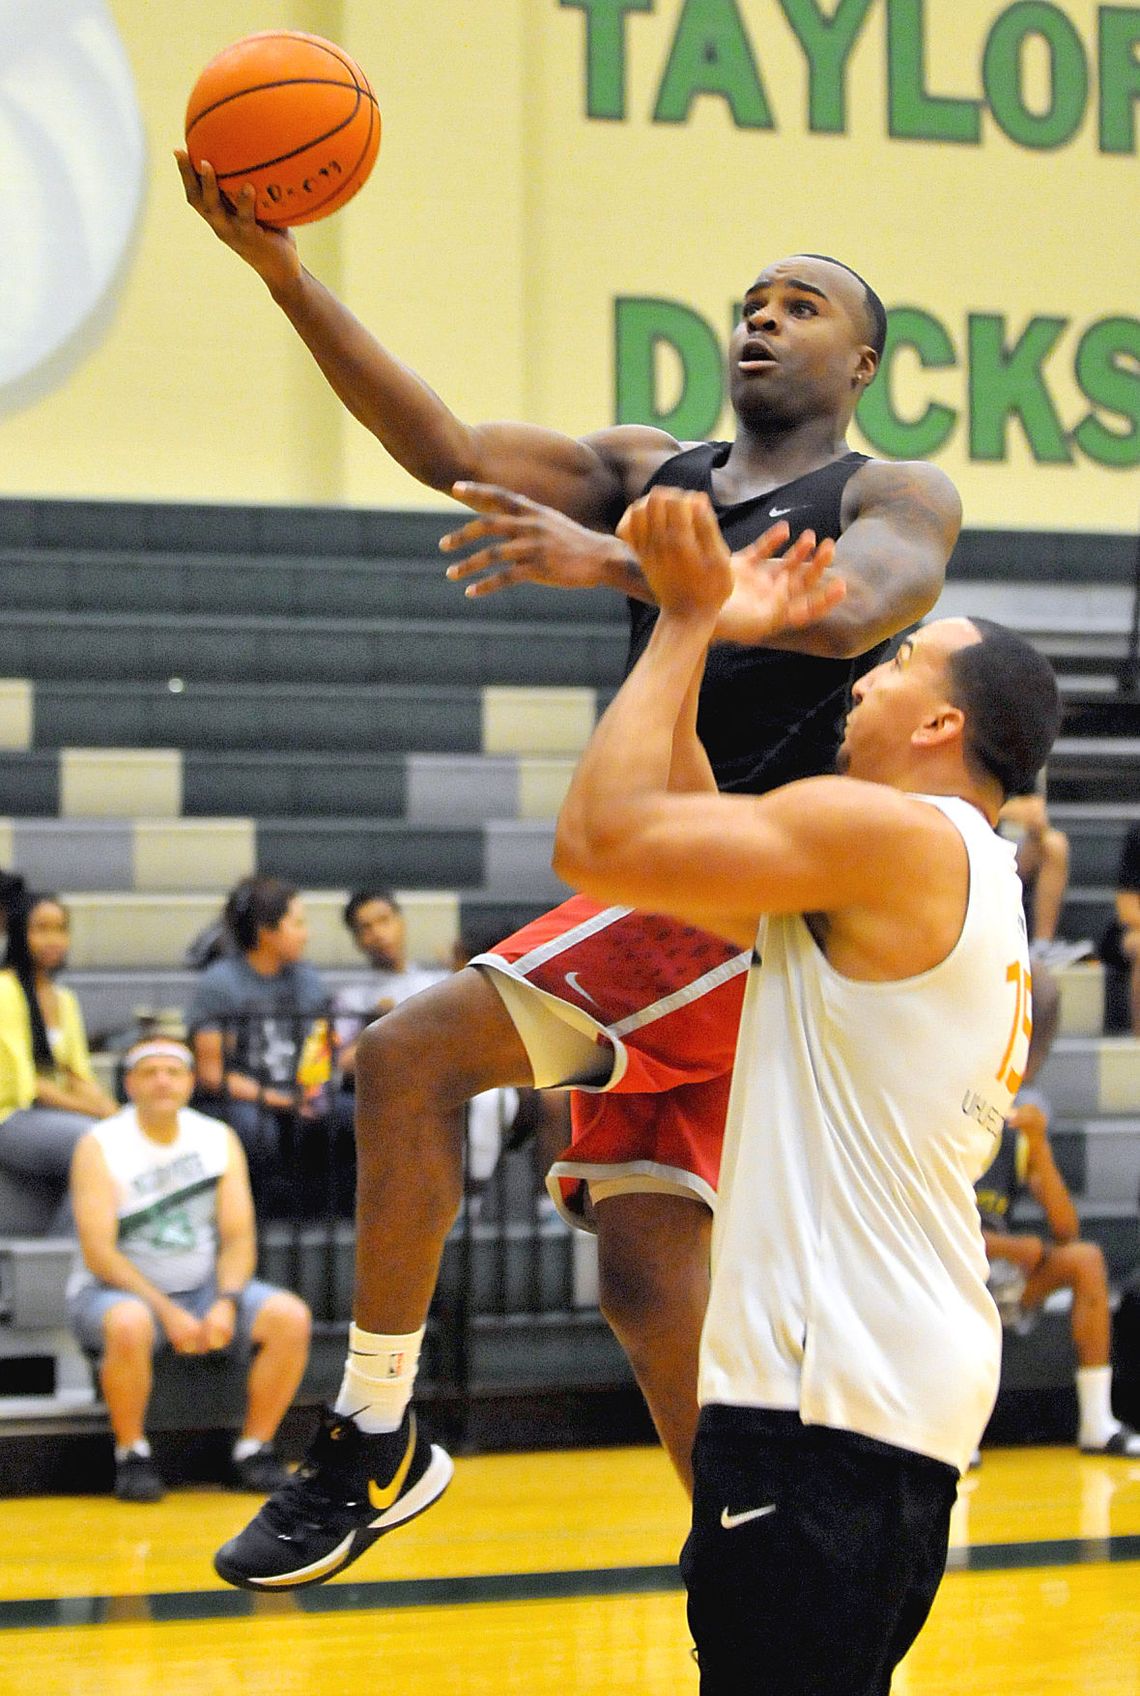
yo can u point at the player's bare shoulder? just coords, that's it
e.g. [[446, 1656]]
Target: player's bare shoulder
[[633, 452], [910, 490]]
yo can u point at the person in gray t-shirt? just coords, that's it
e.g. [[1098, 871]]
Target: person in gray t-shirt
[[260, 1030]]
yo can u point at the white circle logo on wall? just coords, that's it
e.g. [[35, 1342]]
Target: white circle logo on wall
[[72, 154]]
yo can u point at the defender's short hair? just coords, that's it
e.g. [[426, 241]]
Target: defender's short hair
[[872, 305], [1008, 692]]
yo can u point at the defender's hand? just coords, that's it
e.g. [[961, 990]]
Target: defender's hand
[[271, 252], [775, 591], [686, 561], [527, 543]]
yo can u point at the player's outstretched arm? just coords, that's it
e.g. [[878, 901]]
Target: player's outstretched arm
[[518, 540], [899, 526], [590, 480]]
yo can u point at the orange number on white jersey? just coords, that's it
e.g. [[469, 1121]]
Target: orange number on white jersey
[[1017, 974]]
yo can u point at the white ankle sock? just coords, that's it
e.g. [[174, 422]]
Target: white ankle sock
[[140, 1446], [244, 1447], [379, 1375], [1094, 1398]]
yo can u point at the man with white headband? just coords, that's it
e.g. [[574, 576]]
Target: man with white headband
[[165, 1221]]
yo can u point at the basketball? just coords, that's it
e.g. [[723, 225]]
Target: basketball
[[293, 115]]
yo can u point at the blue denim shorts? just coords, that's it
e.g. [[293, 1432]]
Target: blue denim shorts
[[86, 1308]]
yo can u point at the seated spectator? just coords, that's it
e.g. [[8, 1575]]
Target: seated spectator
[[1043, 867], [1120, 944], [376, 922], [166, 1234], [261, 1041], [48, 1094], [1024, 1269]]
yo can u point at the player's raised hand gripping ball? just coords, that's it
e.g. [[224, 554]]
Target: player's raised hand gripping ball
[[293, 115]]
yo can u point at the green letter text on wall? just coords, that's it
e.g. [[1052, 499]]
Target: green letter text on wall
[[1068, 75], [827, 44], [640, 325], [914, 114], [908, 438], [1108, 370], [1007, 382], [605, 53], [711, 55]]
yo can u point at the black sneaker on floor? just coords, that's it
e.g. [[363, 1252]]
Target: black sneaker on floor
[[137, 1479], [260, 1473], [349, 1490]]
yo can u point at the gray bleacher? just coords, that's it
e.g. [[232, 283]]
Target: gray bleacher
[[193, 692]]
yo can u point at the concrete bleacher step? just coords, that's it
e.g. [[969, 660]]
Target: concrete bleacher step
[[1078, 625], [1082, 993], [1096, 715], [106, 527], [384, 718], [77, 581], [1061, 556], [202, 527], [50, 646], [1091, 1076], [1099, 1156], [1094, 769], [1096, 833], [133, 933], [170, 783], [501, 856], [1088, 912]]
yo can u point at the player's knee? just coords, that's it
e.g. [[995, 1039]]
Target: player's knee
[[383, 1060], [630, 1294], [418, 1053], [638, 1290], [128, 1329]]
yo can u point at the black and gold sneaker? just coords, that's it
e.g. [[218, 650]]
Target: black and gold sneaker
[[350, 1489]]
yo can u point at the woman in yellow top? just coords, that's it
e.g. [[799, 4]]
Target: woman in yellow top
[[48, 1095]]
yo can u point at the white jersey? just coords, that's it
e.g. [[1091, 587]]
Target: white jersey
[[849, 1274], [165, 1198]]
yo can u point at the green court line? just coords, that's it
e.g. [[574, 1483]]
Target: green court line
[[167, 1607]]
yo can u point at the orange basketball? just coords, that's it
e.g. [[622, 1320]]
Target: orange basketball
[[291, 114]]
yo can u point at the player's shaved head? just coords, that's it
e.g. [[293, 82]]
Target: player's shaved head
[[874, 312]]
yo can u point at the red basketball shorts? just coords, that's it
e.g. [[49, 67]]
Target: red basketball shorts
[[662, 1001]]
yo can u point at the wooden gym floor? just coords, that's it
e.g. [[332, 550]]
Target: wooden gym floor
[[546, 1573]]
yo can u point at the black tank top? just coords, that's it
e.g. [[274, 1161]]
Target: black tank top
[[766, 716]]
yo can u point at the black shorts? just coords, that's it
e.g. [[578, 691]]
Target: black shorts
[[814, 1555]]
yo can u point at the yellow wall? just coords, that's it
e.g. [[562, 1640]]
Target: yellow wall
[[503, 221]]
